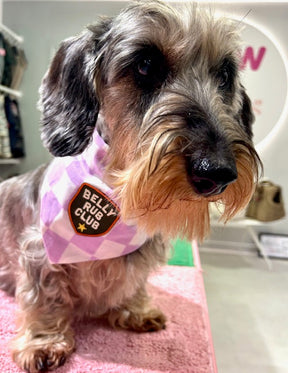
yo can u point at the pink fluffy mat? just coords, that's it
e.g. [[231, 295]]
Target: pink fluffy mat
[[185, 346]]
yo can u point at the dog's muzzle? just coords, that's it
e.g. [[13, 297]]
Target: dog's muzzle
[[209, 177]]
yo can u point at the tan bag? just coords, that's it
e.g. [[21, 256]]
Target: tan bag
[[267, 203]]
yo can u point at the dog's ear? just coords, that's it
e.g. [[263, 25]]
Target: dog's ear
[[247, 115], [68, 98]]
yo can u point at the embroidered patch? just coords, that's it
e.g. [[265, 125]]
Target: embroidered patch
[[91, 212]]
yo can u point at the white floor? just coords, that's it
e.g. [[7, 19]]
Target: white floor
[[248, 308]]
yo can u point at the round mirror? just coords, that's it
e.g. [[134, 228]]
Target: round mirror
[[264, 73]]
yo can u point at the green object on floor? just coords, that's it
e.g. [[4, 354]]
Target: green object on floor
[[182, 254]]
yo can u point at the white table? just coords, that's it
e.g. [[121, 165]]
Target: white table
[[249, 225]]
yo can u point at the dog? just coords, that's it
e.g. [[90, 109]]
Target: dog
[[151, 106]]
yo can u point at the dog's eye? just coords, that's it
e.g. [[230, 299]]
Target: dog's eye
[[226, 75], [223, 78], [145, 66], [150, 69]]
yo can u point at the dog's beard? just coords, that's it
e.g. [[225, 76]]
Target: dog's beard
[[161, 203], [238, 194], [155, 193]]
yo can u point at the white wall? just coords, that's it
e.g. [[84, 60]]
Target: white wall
[[45, 23]]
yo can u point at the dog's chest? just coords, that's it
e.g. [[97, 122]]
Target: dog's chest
[[102, 285]]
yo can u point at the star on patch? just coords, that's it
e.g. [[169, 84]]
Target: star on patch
[[81, 227]]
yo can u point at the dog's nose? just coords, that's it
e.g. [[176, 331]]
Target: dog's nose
[[211, 178]]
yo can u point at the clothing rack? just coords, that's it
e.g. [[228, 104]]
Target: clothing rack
[[11, 35], [11, 141]]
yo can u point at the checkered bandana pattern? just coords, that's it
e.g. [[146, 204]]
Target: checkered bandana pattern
[[79, 220]]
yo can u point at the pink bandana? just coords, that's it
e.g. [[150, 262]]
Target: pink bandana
[[79, 220]]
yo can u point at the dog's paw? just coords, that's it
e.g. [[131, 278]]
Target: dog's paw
[[39, 357], [149, 321], [152, 322], [43, 361]]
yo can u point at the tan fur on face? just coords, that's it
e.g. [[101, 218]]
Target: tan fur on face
[[164, 202], [156, 195]]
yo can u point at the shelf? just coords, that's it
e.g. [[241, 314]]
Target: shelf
[[11, 161], [237, 223], [249, 225], [10, 91], [241, 222]]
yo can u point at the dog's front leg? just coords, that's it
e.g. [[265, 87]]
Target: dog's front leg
[[45, 337], [137, 314], [42, 352]]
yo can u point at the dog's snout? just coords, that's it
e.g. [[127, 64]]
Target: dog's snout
[[210, 177]]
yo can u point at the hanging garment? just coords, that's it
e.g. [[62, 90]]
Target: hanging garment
[[5, 150], [19, 68], [10, 63], [15, 127], [2, 56]]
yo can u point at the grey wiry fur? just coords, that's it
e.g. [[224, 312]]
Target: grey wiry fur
[[171, 106]]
